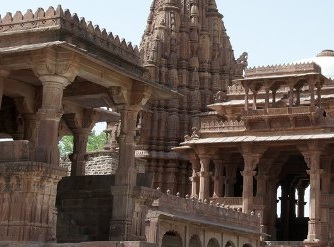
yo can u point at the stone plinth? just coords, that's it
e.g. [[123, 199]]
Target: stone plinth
[[27, 200]]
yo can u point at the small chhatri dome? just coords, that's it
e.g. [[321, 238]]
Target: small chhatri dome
[[326, 53], [325, 59]]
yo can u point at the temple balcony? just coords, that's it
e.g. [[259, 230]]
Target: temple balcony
[[210, 214]]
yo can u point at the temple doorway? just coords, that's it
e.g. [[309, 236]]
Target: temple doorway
[[291, 220]]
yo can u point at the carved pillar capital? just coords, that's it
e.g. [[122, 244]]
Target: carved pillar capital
[[53, 61]]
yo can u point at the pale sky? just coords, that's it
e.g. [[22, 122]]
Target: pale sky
[[276, 31]]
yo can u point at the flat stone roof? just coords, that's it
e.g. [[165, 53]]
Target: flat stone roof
[[255, 138]]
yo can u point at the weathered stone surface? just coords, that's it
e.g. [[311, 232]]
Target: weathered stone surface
[[27, 195], [102, 163]]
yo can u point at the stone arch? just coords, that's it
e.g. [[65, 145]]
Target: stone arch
[[195, 241], [171, 239], [213, 242], [230, 244]]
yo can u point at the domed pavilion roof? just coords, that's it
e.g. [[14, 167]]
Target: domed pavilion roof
[[325, 59]]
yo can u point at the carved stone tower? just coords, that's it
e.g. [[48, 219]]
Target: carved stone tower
[[185, 47]]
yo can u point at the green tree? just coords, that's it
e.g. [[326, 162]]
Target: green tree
[[95, 143]]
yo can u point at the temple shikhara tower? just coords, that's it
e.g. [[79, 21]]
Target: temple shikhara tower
[[201, 151], [184, 47]]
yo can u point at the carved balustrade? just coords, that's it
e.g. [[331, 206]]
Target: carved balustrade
[[298, 110], [212, 212], [221, 126], [234, 202], [283, 69]]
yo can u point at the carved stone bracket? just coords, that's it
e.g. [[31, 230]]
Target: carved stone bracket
[[56, 61]]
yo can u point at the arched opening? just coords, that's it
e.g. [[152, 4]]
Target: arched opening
[[195, 241], [171, 239], [213, 243], [229, 244], [247, 245]]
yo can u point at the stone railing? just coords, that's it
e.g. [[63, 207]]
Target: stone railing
[[234, 202], [220, 126], [56, 18], [286, 69], [280, 111], [209, 212]]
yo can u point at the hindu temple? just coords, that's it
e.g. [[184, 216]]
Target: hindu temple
[[201, 150]]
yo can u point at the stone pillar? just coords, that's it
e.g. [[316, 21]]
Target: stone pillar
[[218, 178], [311, 90], [126, 172], [318, 94], [121, 228], [312, 158], [254, 100], [80, 139], [204, 177], [48, 117], [194, 177], [248, 174], [246, 98], [298, 96], [291, 97], [273, 103], [266, 104]]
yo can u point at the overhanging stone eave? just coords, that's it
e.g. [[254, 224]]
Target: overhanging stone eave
[[276, 77], [159, 92], [277, 140]]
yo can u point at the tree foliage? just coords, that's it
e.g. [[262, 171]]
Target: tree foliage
[[95, 143]]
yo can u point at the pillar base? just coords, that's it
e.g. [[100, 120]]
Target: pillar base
[[129, 212], [27, 201], [314, 242]]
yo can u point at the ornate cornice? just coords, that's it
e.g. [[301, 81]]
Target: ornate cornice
[[59, 19], [282, 69]]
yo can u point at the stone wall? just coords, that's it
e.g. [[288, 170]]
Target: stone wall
[[101, 163]]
